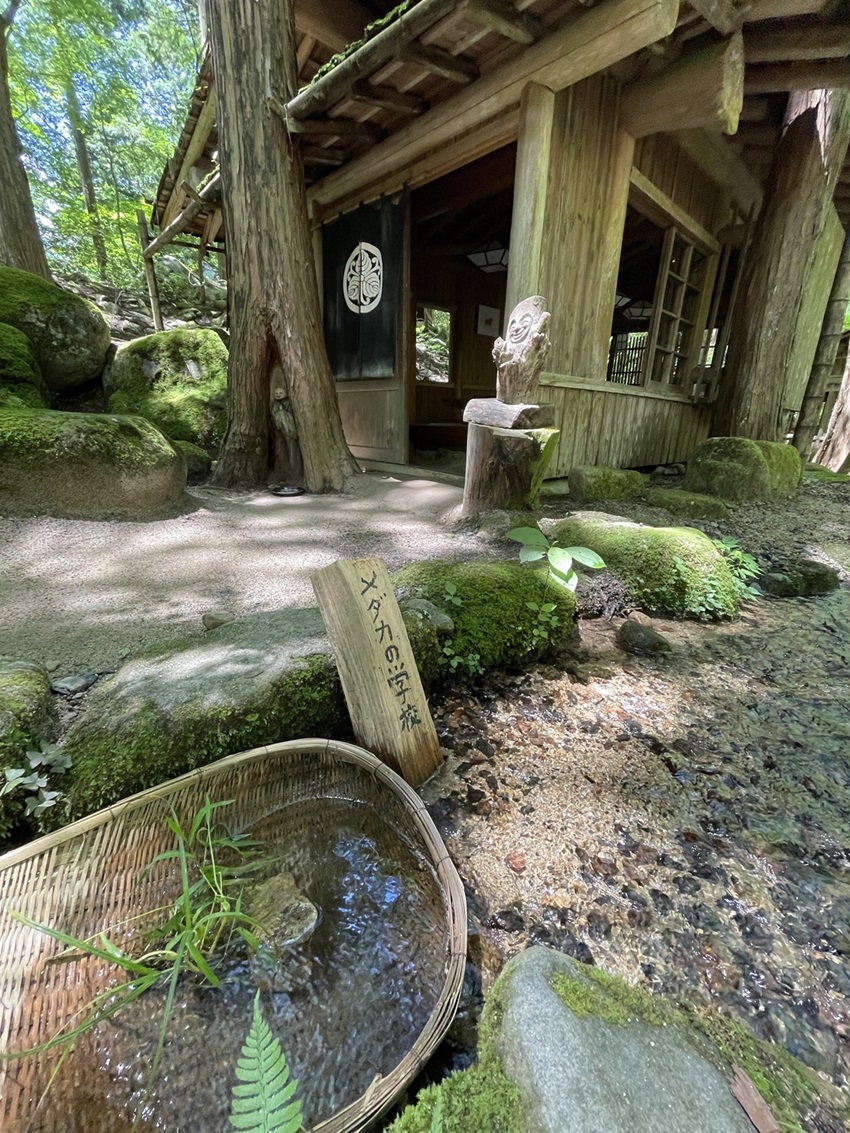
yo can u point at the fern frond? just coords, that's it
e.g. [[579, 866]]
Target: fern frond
[[263, 1102]]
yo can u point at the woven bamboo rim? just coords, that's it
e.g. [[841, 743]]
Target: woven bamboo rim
[[22, 948]]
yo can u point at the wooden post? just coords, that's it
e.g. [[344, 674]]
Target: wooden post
[[834, 452], [531, 182], [797, 198], [505, 468], [150, 274], [827, 349], [376, 666]]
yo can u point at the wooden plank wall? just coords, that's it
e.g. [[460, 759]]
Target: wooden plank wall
[[622, 430], [590, 163], [671, 170]]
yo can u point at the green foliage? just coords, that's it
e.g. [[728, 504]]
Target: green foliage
[[535, 546], [131, 65], [264, 1102], [742, 566], [546, 621], [35, 779], [25, 719]]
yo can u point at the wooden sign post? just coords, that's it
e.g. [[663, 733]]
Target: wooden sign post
[[376, 666]]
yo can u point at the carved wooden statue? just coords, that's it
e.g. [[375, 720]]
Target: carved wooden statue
[[520, 355]]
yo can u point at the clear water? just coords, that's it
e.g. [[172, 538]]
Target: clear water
[[346, 1004]]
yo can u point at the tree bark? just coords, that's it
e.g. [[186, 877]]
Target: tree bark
[[827, 350], [834, 452], [277, 352], [81, 150], [20, 241], [799, 190]]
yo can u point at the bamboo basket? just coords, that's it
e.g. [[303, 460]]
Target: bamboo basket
[[85, 878]]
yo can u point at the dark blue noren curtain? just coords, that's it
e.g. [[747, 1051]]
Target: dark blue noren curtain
[[362, 259]]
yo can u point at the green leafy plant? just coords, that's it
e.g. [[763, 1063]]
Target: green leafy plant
[[546, 621], [35, 779], [437, 1115], [742, 566], [535, 546], [451, 595], [196, 927], [471, 662], [264, 1101]]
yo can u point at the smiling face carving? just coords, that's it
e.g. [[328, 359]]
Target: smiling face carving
[[520, 355]]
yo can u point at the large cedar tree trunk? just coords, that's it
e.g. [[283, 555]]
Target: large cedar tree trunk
[[20, 242], [278, 371], [834, 452], [81, 150], [798, 192]]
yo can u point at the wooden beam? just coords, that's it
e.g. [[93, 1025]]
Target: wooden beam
[[703, 88], [781, 9], [657, 205], [363, 63], [755, 110], [335, 128], [723, 15], [336, 25], [324, 155], [502, 17], [774, 78], [597, 38], [493, 174], [196, 146], [714, 154], [439, 62], [534, 148], [305, 50], [209, 193], [774, 45], [388, 98]]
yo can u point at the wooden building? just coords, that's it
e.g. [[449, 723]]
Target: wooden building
[[634, 161]]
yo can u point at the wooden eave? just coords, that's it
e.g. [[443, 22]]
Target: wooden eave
[[788, 44]]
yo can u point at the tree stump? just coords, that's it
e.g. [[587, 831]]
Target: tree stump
[[505, 467]]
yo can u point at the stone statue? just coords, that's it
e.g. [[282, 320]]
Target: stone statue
[[520, 355]]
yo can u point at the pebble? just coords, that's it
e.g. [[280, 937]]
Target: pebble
[[212, 619]]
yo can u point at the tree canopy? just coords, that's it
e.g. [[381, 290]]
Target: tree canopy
[[107, 82]]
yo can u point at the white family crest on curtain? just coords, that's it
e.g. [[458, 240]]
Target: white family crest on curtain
[[363, 278]]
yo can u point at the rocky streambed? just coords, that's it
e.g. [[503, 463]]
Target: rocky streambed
[[681, 820]]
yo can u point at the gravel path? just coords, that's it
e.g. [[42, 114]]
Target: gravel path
[[80, 595]]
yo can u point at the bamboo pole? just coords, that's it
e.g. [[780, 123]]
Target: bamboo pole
[[150, 274]]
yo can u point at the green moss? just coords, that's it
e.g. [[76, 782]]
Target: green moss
[[20, 290], [476, 1100], [601, 995], [117, 754], [425, 645], [369, 32], [692, 504], [197, 459], [18, 366], [35, 438], [789, 1087], [823, 475], [589, 483], [783, 465], [176, 379], [673, 570], [494, 627], [25, 721], [21, 397], [547, 439]]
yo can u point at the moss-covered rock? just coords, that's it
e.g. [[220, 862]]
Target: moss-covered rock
[[589, 483], [690, 504], [19, 372], [198, 461], [800, 578], [736, 468], [26, 720], [21, 397], [68, 335], [176, 379], [85, 464], [494, 626], [672, 570]]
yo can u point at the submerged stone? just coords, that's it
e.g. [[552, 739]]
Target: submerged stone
[[804, 578], [68, 335], [633, 637]]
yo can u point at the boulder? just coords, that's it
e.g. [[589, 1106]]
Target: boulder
[[20, 377], [177, 380], [672, 570], [803, 578], [634, 636], [736, 468], [589, 1055], [494, 627], [86, 465], [198, 461], [690, 504], [26, 720], [68, 335], [589, 483]]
